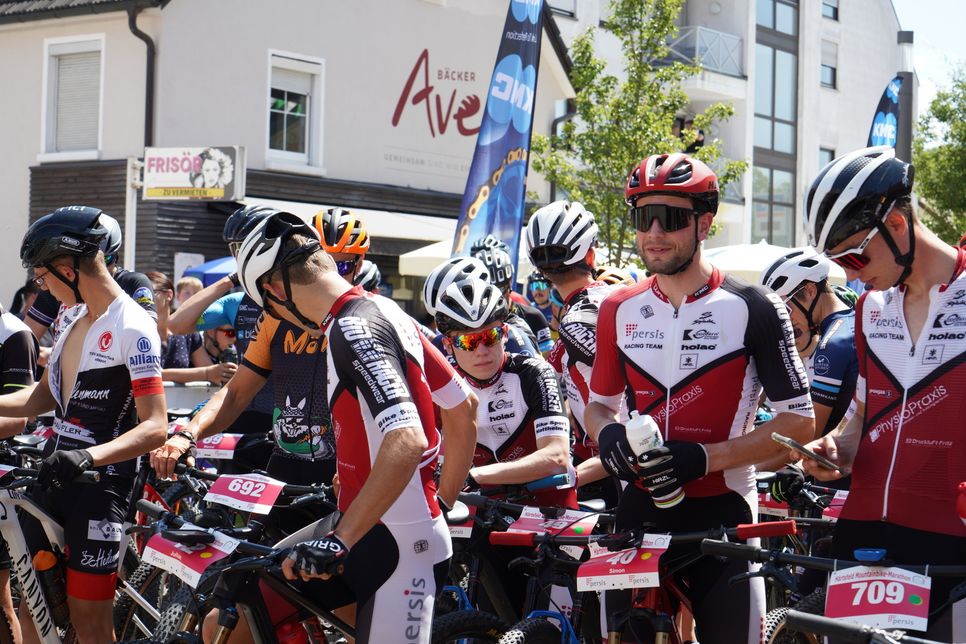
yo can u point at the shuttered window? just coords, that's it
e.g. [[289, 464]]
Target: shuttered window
[[73, 99]]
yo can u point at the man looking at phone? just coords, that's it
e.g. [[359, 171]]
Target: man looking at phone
[[905, 444], [692, 348]]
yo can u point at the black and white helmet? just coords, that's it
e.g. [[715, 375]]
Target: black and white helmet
[[787, 274], [369, 276], [452, 270], [470, 304], [560, 234], [111, 245], [260, 253], [853, 193], [499, 264]]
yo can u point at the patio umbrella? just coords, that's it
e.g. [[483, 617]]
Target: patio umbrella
[[212, 271]]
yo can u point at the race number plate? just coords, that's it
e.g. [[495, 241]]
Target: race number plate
[[246, 492], [187, 562], [220, 446], [880, 597], [834, 508], [463, 530], [768, 506], [570, 523], [632, 568]]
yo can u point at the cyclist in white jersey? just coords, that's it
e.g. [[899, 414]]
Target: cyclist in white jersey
[[386, 546], [104, 382]]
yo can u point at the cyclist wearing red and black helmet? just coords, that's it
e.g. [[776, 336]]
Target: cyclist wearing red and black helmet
[[905, 444], [692, 348]]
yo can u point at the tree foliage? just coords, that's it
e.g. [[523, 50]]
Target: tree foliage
[[939, 154], [619, 121]]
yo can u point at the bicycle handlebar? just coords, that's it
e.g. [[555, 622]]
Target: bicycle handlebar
[[759, 555], [89, 476], [860, 633], [743, 531]]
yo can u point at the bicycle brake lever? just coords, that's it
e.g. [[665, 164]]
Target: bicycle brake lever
[[525, 562]]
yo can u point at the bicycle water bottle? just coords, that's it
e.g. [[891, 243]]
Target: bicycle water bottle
[[291, 632], [50, 573], [643, 434], [961, 502], [229, 355]]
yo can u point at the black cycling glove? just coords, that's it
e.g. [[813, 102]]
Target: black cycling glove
[[672, 465], [63, 466], [788, 482], [320, 556], [616, 454]]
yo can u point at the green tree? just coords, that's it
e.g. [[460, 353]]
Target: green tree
[[939, 154], [618, 122]]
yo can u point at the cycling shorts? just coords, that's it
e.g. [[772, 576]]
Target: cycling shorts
[[723, 613], [93, 516], [393, 574]]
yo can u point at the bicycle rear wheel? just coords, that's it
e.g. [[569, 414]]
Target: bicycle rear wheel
[[468, 626], [776, 631]]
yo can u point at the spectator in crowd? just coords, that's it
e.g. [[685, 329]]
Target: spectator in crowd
[[186, 287]]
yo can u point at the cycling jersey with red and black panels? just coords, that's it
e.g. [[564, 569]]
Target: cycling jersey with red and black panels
[[578, 340], [376, 384], [120, 360], [518, 405], [911, 456], [698, 370]]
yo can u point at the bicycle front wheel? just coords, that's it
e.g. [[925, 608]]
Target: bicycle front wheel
[[469, 626], [532, 631]]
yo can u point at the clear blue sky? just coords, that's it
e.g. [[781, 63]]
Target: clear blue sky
[[940, 41]]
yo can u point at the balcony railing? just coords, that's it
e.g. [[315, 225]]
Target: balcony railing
[[713, 50]]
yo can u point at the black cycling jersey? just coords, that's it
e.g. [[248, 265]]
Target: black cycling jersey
[[536, 322]]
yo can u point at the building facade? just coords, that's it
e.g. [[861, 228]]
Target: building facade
[[804, 77], [363, 104]]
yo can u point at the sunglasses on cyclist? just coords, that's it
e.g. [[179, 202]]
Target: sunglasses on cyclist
[[346, 267], [854, 258], [229, 333], [671, 218], [539, 286], [470, 341]]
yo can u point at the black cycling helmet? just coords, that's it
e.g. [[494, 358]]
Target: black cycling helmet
[[111, 245], [241, 222], [71, 231]]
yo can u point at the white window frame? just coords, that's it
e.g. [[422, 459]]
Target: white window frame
[[54, 47], [311, 162]]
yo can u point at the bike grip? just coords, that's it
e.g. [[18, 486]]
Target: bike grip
[[90, 476], [808, 623], [548, 481], [149, 508], [512, 538], [730, 550], [766, 529]]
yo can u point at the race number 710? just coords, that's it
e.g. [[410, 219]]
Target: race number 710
[[875, 592], [246, 487]]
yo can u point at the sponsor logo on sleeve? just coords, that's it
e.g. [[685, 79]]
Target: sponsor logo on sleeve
[[144, 344], [143, 295], [104, 530], [821, 365]]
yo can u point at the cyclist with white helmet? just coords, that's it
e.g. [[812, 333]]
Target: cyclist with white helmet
[[522, 430], [368, 276], [904, 445], [456, 269], [495, 255], [560, 242], [391, 540]]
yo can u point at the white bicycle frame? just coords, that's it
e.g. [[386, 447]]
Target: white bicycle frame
[[22, 561]]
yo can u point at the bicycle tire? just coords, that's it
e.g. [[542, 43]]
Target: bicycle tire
[[532, 631], [184, 601], [468, 626], [776, 632], [157, 587]]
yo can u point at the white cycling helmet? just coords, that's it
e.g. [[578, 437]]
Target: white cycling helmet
[[499, 265], [787, 274], [470, 304], [452, 270], [260, 253], [559, 236]]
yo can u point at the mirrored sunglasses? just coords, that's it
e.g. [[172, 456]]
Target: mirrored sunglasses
[[470, 341], [346, 267], [854, 258]]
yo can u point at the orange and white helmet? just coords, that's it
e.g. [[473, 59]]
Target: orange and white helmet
[[341, 231]]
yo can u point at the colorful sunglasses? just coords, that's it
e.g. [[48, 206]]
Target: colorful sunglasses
[[470, 341], [229, 333], [854, 258], [672, 218], [346, 267]]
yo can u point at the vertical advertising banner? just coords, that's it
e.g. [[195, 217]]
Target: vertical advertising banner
[[495, 193], [885, 123]]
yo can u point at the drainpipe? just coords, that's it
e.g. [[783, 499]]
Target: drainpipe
[[132, 13], [554, 127]]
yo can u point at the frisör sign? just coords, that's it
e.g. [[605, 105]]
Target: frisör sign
[[208, 174]]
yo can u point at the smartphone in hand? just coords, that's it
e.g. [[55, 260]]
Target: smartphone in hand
[[804, 451]]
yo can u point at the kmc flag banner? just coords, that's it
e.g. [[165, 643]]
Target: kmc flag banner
[[885, 124], [495, 193]]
